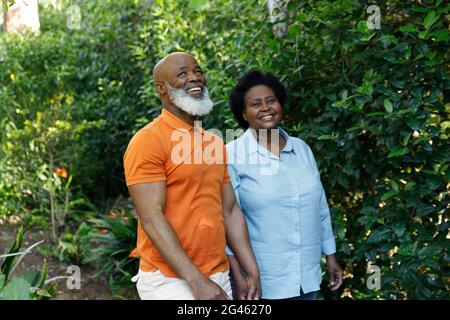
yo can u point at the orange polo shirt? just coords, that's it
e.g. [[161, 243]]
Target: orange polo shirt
[[192, 161]]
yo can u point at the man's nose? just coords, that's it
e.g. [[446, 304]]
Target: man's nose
[[193, 77]]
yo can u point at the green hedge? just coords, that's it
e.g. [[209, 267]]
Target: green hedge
[[372, 104]]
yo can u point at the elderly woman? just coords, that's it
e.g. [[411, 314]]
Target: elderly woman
[[278, 187]]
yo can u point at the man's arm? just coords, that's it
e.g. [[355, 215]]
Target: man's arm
[[150, 199], [238, 239], [240, 283]]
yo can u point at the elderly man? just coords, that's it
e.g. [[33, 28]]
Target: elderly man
[[185, 208]]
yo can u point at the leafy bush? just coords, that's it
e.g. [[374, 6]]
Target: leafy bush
[[75, 247], [31, 286], [373, 105], [114, 240]]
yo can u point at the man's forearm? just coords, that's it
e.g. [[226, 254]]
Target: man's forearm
[[167, 243]]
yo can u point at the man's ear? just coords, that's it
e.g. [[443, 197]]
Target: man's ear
[[161, 88]]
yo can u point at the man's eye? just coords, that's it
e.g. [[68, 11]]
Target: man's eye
[[199, 72], [182, 74]]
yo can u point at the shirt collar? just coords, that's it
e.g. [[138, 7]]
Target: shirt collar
[[289, 143], [175, 122], [254, 146]]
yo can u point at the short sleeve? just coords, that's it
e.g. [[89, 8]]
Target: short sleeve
[[144, 159]]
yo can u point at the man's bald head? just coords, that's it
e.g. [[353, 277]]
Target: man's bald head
[[163, 69]]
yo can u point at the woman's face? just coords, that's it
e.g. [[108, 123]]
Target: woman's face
[[261, 108]]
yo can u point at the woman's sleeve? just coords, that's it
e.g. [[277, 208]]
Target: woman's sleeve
[[328, 241]]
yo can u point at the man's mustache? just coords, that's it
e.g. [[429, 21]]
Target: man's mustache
[[190, 86]]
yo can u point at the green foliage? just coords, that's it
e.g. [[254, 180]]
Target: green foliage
[[75, 247], [113, 241], [30, 286], [372, 104]]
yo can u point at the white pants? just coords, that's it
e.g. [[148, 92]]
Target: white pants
[[156, 286]]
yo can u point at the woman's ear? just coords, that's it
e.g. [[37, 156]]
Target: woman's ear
[[244, 116]]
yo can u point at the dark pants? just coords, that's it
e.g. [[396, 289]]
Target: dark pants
[[303, 296]]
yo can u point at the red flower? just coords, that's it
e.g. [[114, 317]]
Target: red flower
[[61, 172]]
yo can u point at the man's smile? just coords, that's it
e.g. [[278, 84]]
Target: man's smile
[[195, 91]]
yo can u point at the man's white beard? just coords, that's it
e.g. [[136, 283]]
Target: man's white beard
[[190, 105]]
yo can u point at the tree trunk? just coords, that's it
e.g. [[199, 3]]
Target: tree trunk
[[3, 15], [52, 199], [23, 15]]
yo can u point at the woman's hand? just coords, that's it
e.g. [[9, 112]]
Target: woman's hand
[[240, 284], [253, 287], [334, 272]]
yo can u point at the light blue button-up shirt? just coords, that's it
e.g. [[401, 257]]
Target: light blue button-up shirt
[[286, 210]]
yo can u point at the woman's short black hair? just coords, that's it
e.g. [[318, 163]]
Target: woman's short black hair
[[248, 81]]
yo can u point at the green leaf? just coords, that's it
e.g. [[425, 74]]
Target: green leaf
[[8, 264], [388, 195], [43, 293], [16, 289], [409, 28], [423, 34], [342, 231], [2, 280], [367, 37], [379, 235], [197, 4], [30, 275], [410, 186], [43, 275], [430, 250], [365, 89], [425, 209], [441, 35], [406, 139], [399, 229], [430, 19], [398, 152], [394, 185], [388, 105], [326, 137], [362, 26]]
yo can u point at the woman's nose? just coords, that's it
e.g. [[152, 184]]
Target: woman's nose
[[264, 107]]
